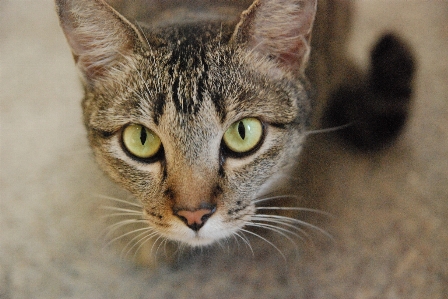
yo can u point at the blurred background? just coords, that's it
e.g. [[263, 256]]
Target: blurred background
[[391, 208]]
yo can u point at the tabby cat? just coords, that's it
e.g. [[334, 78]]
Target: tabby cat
[[200, 108]]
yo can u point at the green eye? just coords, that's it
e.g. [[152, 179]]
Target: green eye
[[140, 141], [243, 135]]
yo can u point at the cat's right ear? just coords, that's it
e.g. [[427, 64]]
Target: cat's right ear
[[98, 35]]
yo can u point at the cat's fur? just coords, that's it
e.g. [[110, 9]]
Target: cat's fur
[[189, 70]]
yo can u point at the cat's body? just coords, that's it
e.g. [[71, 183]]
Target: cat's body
[[190, 79]]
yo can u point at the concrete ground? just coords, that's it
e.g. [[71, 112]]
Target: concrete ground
[[390, 209]]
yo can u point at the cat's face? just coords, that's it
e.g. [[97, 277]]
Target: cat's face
[[195, 127]]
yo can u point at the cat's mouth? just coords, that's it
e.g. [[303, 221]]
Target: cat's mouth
[[213, 230]]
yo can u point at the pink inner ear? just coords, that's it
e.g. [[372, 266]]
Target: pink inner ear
[[97, 35], [296, 56], [99, 55], [99, 51], [280, 29]]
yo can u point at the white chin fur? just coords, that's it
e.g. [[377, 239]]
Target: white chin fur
[[212, 231]]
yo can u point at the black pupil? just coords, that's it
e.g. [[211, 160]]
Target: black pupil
[[242, 130], [143, 136]]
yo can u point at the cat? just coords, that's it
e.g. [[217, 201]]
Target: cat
[[201, 108]]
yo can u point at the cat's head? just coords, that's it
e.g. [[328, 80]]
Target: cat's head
[[197, 121]]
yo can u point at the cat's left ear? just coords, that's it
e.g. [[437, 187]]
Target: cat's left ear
[[99, 36], [279, 30]]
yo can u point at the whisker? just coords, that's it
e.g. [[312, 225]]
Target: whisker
[[223, 248], [165, 247], [148, 232], [274, 197], [266, 218], [299, 222], [299, 209], [181, 248], [155, 242], [114, 227], [179, 251], [142, 242], [121, 215], [110, 233], [246, 241], [120, 212], [228, 244], [237, 241], [162, 244], [126, 234], [117, 209], [328, 130], [119, 200], [125, 222], [135, 241], [266, 240], [277, 230]]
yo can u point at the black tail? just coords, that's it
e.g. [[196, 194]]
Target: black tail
[[378, 107]]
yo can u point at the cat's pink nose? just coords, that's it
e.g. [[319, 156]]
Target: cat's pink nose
[[197, 218]]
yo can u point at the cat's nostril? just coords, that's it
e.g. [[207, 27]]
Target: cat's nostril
[[195, 219]]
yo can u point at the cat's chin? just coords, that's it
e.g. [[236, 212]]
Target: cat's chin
[[212, 232], [197, 241]]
